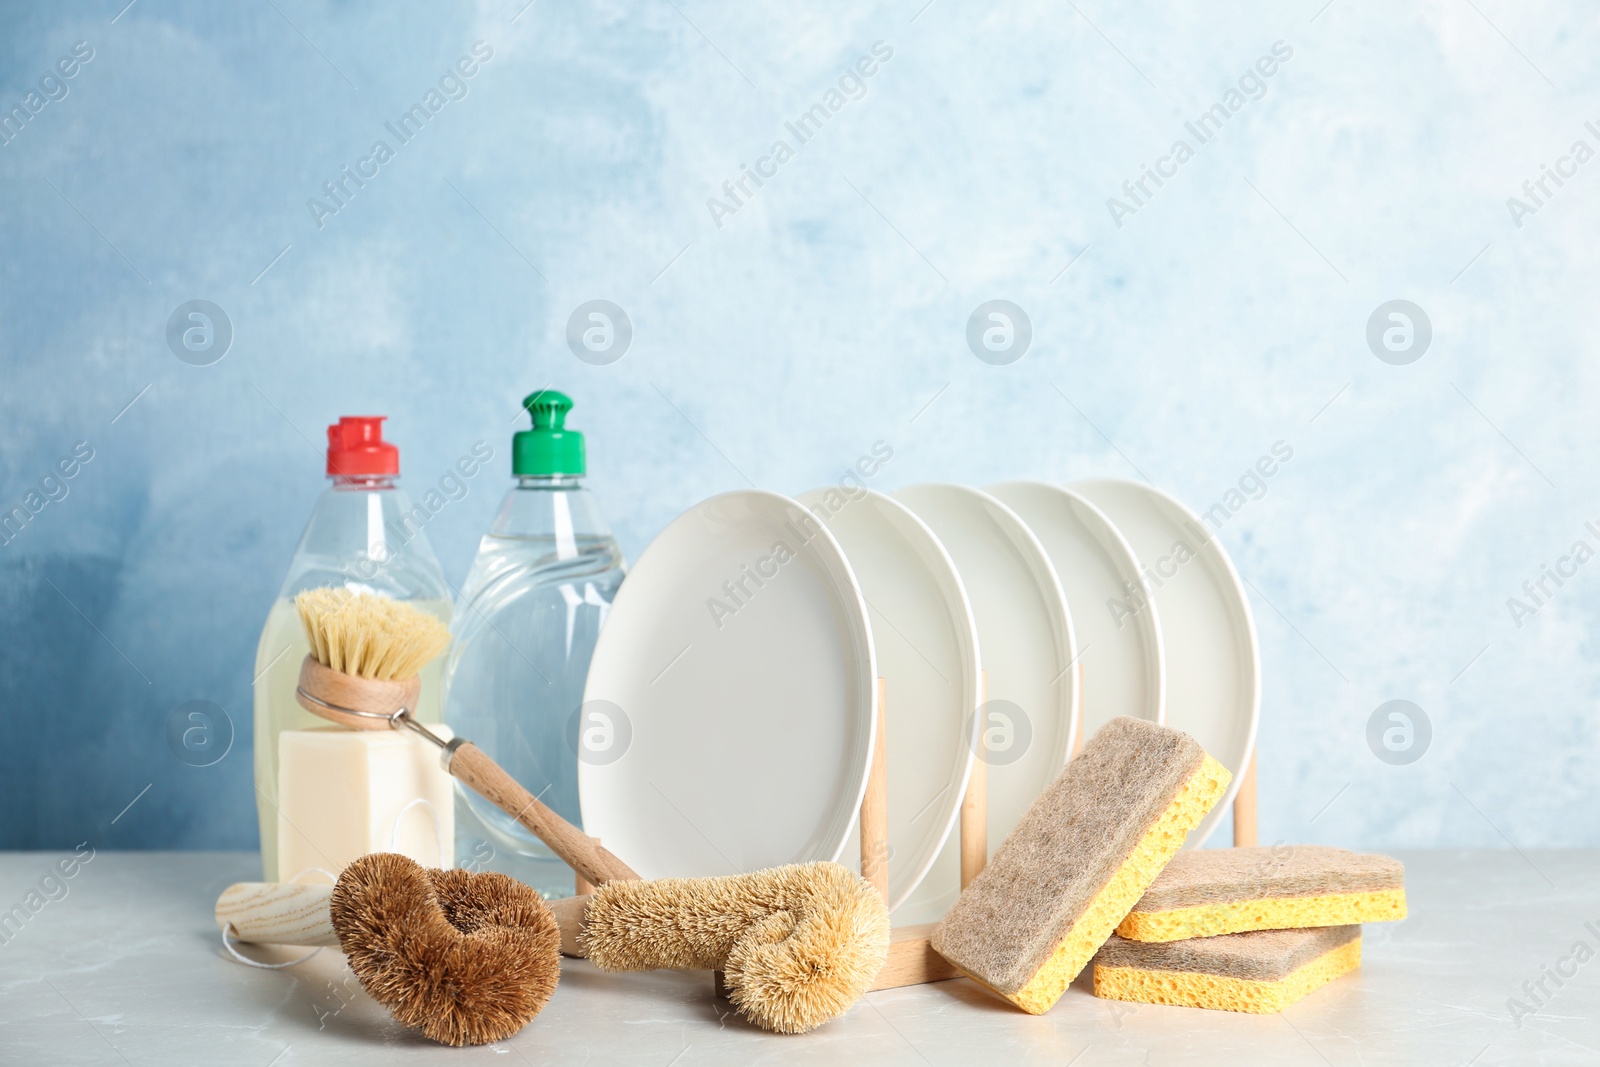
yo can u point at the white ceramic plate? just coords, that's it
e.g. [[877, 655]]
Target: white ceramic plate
[[736, 671], [1025, 641], [1119, 651], [926, 648], [1208, 635]]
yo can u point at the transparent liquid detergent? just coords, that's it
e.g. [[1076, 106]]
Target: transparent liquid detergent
[[364, 536], [525, 627]]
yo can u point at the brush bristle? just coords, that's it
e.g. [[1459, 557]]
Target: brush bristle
[[798, 944], [369, 636], [466, 958]]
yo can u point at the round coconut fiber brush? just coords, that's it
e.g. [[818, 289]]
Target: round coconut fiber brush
[[466, 958]]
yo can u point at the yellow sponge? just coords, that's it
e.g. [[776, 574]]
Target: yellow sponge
[[1203, 893], [1262, 972], [1079, 860]]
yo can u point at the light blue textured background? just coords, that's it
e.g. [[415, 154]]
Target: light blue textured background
[[827, 313]]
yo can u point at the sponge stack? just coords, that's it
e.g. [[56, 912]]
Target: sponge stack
[[1079, 860], [1248, 929]]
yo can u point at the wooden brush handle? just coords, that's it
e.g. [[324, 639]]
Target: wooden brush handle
[[581, 852], [569, 920], [277, 913]]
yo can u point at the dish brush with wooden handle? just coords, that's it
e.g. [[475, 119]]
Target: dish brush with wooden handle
[[363, 673]]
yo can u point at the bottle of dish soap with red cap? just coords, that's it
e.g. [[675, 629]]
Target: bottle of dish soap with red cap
[[363, 536]]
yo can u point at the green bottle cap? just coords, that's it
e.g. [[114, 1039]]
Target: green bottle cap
[[549, 448]]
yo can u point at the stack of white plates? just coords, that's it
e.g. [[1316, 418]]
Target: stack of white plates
[[742, 654]]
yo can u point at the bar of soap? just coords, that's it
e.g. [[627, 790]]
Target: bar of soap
[[345, 793]]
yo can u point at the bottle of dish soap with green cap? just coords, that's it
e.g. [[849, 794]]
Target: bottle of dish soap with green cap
[[525, 627]]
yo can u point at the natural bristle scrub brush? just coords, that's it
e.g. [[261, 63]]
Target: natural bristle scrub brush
[[466, 958], [363, 673], [799, 944]]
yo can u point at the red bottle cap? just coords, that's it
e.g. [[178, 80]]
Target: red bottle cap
[[356, 447]]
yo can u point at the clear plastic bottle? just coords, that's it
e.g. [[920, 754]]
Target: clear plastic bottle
[[363, 535], [525, 628]]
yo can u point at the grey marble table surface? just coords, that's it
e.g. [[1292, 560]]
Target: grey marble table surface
[[121, 963]]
